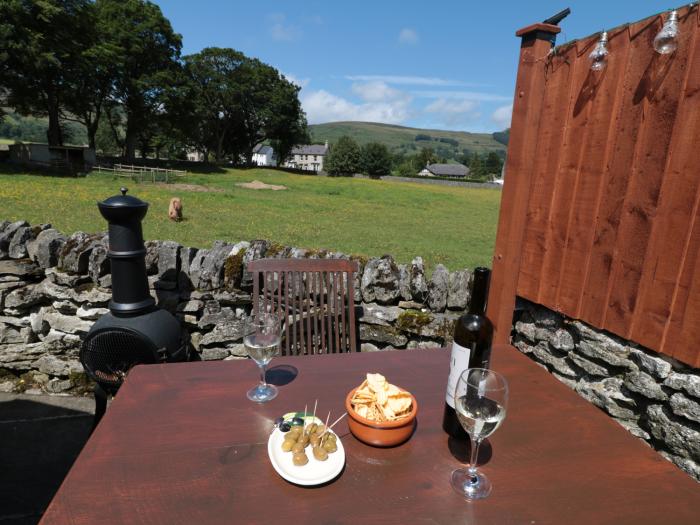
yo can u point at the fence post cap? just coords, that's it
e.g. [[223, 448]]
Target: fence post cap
[[539, 27]]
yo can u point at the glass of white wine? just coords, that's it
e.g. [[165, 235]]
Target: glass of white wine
[[481, 399], [261, 339]]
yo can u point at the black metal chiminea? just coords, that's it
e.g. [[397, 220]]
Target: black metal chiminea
[[135, 331]]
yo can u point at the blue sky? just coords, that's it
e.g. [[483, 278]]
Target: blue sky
[[444, 65]]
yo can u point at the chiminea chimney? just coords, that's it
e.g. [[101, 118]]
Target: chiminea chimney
[[135, 331], [127, 254]]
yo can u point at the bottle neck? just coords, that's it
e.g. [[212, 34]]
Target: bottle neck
[[480, 290]]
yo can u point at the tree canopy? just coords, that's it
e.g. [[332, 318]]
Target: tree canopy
[[345, 158]]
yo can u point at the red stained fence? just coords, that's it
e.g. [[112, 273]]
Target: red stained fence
[[600, 217]]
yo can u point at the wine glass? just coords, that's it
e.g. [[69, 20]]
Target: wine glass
[[261, 338], [481, 398]]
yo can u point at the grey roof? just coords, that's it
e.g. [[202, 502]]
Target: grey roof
[[448, 170], [310, 149], [263, 149]]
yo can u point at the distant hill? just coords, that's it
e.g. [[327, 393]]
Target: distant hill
[[404, 140]]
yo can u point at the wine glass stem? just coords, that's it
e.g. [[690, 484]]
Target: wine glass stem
[[473, 460], [262, 375]]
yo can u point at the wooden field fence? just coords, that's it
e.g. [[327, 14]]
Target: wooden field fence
[[600, 215], [142, 173]]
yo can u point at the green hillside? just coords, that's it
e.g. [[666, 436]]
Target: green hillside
[[400, 139]]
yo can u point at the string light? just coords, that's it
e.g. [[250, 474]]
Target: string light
[[666, 40], [599, 55]]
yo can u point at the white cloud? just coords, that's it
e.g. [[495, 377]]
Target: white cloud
[[281, 30], [322, 106], [411, 80], [301, 82], [443, 105], [408, 36], [465, 95], [376, 91], [454, 113], [502, 116]]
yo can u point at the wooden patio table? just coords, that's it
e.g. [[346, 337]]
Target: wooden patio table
[[182, 444]]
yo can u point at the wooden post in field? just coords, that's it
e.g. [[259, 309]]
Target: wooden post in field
[[527, 106]]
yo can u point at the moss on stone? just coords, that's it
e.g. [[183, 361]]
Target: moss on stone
[[362, 259], [233, 269], [274, 249], [318, 253], [413, 320]]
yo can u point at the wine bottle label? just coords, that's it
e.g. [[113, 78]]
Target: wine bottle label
[[459, 362]]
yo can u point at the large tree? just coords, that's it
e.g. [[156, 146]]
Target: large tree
[[268, 108], [41, 62], [205, 97], [344, 158], [228, 103], [146, 51], [376, 159], [93, 92]]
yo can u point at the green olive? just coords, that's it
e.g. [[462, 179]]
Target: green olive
[[320, 453], [330, 446], [298, 447], [312, 428], [314, 439], [287, 445], [300, 459]]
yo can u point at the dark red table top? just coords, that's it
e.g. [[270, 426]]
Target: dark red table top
[[182, 444]]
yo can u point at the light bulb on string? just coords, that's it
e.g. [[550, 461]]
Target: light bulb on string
[[599, 55], [666, 40]]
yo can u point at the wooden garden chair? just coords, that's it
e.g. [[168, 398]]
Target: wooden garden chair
[[314, 298]]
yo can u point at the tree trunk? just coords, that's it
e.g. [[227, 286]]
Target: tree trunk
[[130, 144], [54, 135]]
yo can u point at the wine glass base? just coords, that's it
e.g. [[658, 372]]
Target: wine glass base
[[470, 487], [262, 393]]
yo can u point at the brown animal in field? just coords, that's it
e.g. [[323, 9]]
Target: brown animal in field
[[175, 209]]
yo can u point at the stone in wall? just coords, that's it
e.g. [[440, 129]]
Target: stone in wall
[[6, 235], [75, 254], [46, 248], [168, 261], [458, 293], [380, 281], [418, 284], [98, 262], [373, 313], [437, 289]]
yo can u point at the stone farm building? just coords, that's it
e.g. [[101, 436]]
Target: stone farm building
[[444, 170], [308, 157], [264, 155]]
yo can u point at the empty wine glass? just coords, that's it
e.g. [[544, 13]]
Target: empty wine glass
[[261, 339], [481, 398]]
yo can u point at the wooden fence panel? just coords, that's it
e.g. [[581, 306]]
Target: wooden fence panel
[[611, 231]]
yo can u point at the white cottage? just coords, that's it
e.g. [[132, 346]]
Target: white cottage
[[264, 156], [308, 157]]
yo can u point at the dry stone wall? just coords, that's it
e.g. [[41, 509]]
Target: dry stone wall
[[656, 398], [53, 287]]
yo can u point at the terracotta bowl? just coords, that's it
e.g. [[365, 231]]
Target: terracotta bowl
[[384, 434]]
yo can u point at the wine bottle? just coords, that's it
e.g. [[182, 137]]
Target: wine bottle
[[471, 347]]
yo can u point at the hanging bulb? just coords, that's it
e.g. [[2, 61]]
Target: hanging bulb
[[666, 41], [599, 55]]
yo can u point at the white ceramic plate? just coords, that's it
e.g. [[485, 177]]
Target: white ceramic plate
[[314, 472]]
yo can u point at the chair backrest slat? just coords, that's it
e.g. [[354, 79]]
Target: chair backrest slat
[[313, 297]]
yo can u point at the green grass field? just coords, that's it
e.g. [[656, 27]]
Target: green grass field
[[453, 226]]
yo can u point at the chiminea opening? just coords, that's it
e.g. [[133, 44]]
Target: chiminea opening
[[135, 331]]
